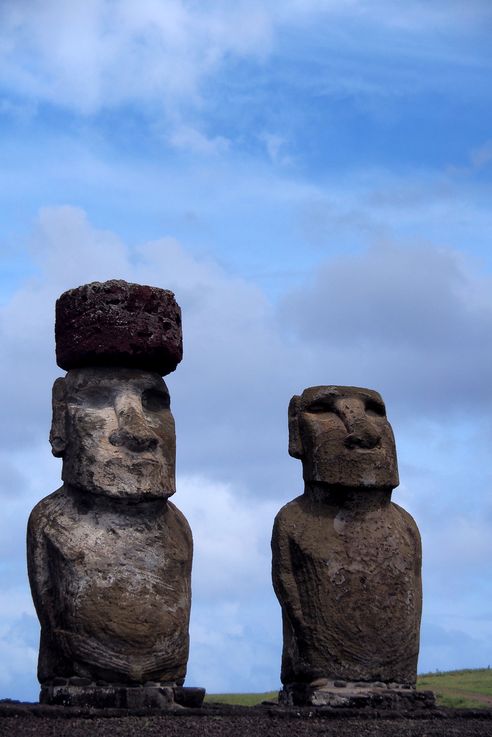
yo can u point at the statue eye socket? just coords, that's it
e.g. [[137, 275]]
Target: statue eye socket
[[320, 406], [375, 408], [154, 400], [95, 397]]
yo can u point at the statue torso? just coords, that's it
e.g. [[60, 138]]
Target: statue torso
[[355, 578], [119, 592]]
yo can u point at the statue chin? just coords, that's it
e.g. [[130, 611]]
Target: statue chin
[[151, 483], [135, 495]]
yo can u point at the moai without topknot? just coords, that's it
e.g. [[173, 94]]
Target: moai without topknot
[[346, 559], [109, 556]]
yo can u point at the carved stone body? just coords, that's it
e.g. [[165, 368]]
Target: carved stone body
[[109, 556], [347, 573], [111, 585], [346, 560]]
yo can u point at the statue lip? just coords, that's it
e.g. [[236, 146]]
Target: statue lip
[[133, 455], [357, 449], [361, 447]]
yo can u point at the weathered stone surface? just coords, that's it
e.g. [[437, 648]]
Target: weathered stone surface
[[356, 696], [111, 586], [109, 557], [343, 438], [117, 696], [109, 696], [192, 698], [115, 323], [346, 560], [115, 431]]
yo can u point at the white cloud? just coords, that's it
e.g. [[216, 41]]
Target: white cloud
[[18, 662], [235, 617], [194, 142], [236, 646], [452, 647], [232, 537], [412, 16], [275, 146], [413, 320], [98, 54], [482, 155], [71, 250]]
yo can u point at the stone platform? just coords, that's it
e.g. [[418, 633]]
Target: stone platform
[[82, 693], [354, 695]]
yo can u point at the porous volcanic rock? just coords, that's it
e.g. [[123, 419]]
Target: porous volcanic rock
[[116, 323]]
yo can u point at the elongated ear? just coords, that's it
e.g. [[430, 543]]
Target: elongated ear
[[58, 432], [295, 444]]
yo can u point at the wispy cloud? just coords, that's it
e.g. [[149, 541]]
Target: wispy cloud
[[194, 141], [481, 156], [276, 147], [99, 54]]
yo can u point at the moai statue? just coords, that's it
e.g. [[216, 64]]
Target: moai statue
[[346, 559], [109, 556]]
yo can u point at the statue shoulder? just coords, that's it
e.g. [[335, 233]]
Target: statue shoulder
[[43, 512], [179, 518], [289, 515], [405, 516], [408, 524]]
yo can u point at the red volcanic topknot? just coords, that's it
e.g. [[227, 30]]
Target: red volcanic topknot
[[115, 323]]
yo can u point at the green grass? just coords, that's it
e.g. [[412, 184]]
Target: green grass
[[479, 680], [242, 699], [460, 689]]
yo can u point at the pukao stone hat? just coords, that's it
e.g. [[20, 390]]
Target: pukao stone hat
[[116, 323]]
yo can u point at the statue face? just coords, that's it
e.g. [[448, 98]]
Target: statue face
[[119, 437], [343, 437]]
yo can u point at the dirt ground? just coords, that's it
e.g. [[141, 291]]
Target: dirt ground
[[25, 720]]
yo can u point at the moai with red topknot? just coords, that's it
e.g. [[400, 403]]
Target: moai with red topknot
[[109, 556]]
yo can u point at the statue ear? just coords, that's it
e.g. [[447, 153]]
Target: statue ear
[[58, 433], [295, 444]]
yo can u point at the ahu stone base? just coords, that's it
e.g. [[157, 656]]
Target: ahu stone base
[[344, 694], [81, 692]]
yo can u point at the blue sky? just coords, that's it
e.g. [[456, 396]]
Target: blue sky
[[313, 180]]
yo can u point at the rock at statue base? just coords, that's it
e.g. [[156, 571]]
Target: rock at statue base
[[346, 563], [102, 695], [346, 695], [109, 556]]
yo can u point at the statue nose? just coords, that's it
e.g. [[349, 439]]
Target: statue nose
[[362, 432], [362, 437], [133, 431]]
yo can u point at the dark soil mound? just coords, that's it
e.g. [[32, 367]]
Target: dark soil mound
[[33, 720]]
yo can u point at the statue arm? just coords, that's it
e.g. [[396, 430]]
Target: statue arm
[[284, 580], [414, 533], [38, 567], [416, 542]]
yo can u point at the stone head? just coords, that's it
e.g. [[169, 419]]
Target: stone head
[[343, 438], [114, 429], [112, 422]]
